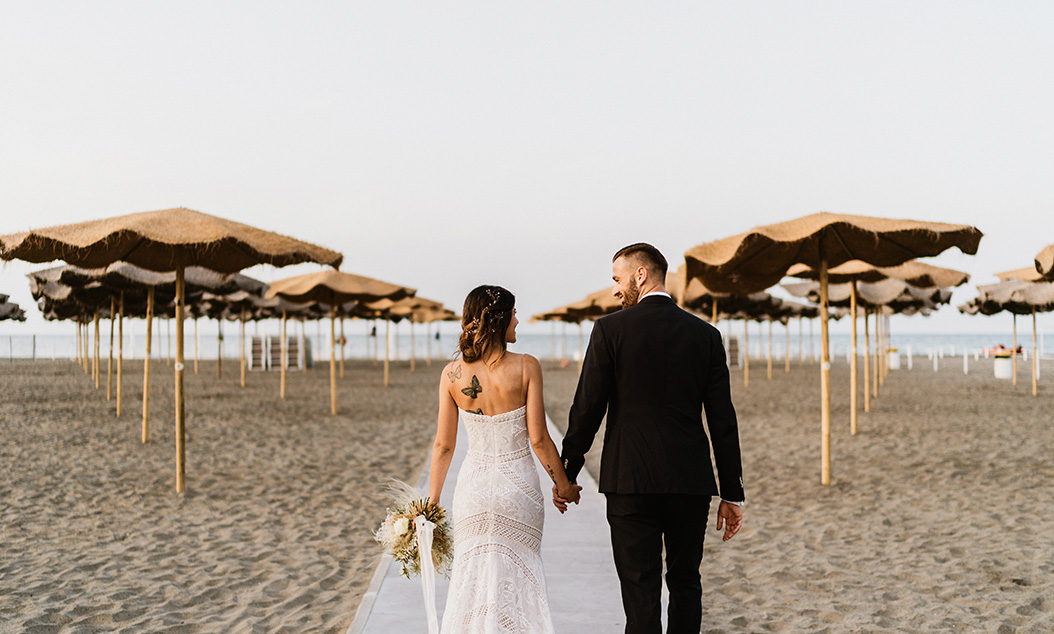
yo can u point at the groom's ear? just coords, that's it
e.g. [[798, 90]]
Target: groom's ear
[[642, 275]]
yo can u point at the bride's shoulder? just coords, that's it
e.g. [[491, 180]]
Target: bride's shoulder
[[531, 365], [452, 371]]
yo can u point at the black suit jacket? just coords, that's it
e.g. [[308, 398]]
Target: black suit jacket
[[653, 368]]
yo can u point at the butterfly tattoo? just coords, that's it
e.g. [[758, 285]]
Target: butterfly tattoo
[[455, 374], [473, 390]]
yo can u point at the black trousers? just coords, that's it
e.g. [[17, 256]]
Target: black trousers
[[640, 526]]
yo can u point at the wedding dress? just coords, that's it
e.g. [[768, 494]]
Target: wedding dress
[[497, 585]]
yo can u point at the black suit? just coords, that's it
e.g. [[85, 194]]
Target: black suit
[[653, 368]]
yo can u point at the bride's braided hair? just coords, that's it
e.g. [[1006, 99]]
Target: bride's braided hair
[[484, 321]]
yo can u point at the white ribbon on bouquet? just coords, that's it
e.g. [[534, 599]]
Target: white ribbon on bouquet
[[425, 529]]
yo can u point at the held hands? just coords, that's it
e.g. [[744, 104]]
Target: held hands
[[562, 498], [729, 517]]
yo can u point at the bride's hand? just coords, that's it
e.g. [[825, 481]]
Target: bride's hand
[[572, 494]]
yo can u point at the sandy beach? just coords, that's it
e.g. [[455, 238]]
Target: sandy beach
[[936, 519]]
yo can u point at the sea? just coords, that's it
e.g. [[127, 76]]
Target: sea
[[559, 344]]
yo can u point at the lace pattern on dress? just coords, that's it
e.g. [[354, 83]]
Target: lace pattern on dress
[[497, 584]]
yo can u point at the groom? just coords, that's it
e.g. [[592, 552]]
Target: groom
[[654, 368]]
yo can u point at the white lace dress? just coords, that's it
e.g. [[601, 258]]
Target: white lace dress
[[496, 583]]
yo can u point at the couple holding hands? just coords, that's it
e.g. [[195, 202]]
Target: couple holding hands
[[652, 369]]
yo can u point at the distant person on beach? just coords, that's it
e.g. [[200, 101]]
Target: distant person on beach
[[653, 368], [496, 582]]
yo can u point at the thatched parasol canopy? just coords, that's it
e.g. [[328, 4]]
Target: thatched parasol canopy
[[1027, 274], [759, 258], [10, 310], [913, 272], [335, 287], [163, 241], [1045, 263]]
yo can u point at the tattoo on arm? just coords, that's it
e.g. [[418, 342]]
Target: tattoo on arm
[[552, 474], [454, 374], [473, 390]]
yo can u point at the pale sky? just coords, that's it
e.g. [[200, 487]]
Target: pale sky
[[442, 145]]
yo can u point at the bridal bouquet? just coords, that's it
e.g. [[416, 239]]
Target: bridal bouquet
[[401, 531]]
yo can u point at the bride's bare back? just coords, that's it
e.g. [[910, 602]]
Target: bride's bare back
[[489, 389]]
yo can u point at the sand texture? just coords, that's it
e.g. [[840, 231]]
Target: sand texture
[[937, 519], [273, 534]]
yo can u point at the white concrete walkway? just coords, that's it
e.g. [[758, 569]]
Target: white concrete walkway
[[576, 552]]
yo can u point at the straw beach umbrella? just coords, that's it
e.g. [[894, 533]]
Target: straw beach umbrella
[[1039, 296], [1045, 264], [166, 240], [913, 272], [335, 288], [759, 258], [10, 310]]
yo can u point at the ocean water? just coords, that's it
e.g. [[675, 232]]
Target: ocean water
[[360, 345]]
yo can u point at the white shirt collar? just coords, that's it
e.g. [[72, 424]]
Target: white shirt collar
[[657, 293]]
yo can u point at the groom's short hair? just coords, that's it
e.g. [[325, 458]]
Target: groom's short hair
[[646, 256]]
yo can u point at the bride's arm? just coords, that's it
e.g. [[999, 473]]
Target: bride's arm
[[446, 437], [543, 444]]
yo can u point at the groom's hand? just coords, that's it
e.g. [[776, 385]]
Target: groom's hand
[[729, 517], [561, 502]]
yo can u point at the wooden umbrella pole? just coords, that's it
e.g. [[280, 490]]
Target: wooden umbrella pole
[[333, 360], [197, 344], [1035, 355], [714, 311], [825, 381], [787, 347], [159, 342], [284, 357], [120, 350], [302, 348], [387, 338], [1013, 352], [801, 343], [581, 351], [746, 352], [219, 348], [812, 342], [413, 351], [181, 454], [241, 343], [889, 342], [852, 360], [342, 348], [146, 363], [874, 360], [883, 359], [770, 350], [95, 360], [109, 364], [87, 356], [867, 363], [168, 349]]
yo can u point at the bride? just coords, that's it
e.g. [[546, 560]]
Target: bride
[[497, 583]]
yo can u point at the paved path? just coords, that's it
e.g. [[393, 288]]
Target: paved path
[[576, 552]]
